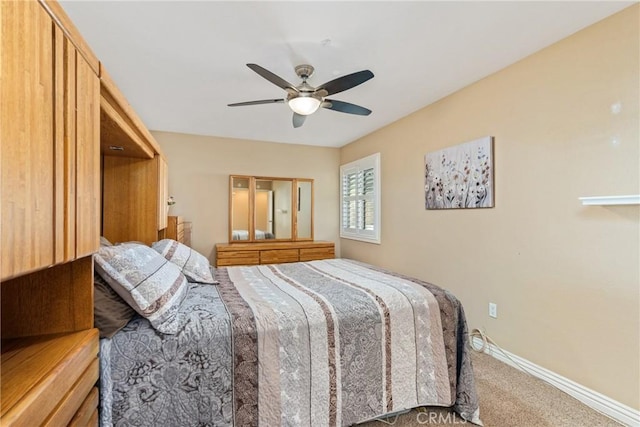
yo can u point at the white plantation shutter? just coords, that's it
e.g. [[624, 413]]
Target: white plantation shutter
[[360, 199]]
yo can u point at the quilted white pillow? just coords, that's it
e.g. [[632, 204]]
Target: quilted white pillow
[[193, 264], [154, 287]]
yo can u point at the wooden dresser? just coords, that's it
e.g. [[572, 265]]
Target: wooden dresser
[[178, 229], [228, 254]]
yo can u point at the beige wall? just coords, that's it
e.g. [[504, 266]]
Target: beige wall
[[199, 169], [565, 276]]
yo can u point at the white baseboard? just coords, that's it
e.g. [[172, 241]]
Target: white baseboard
[[601, 403]]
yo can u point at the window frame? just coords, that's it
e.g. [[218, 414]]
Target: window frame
[[359, 166]]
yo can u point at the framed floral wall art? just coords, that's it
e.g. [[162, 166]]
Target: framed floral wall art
[[460, 177]]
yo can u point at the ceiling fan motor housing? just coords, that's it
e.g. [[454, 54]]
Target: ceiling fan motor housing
[[304, 71]]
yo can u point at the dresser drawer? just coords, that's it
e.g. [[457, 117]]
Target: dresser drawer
[[87, 410], [272, 252], [227, 258], [310, 254], [47, 377], [276, 256], [75, 398], [175, 228]]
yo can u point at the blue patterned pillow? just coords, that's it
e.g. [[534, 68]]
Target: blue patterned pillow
[[193, 264], [154, 287]]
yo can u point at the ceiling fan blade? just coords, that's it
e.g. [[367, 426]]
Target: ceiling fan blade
[[298, 120], [345, 82], [345, 107], [264, 101], [276, 80]]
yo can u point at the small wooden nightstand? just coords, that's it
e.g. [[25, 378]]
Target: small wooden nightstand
[[178, 229]]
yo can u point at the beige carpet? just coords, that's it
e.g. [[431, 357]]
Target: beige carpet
[[509, 398]]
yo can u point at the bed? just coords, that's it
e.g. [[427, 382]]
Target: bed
[[322, 343]]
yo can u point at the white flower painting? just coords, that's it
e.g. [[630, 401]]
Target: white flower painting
[[461, 176]]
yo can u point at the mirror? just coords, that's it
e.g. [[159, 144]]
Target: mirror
[[304, 210], [273, 209], [263, 209], [240, 202]]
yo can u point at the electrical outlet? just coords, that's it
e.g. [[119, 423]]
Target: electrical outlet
[[493, 310]]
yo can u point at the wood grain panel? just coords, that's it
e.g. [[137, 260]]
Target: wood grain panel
[[228, 254], [246, 259], [175, 228], [65, 143], [115, 131], [119, 103], [75, 397], [87, 142], [59, 140], [278, 256], [54, 300], [227, 258], [86, 410], [26, 131], [37, 371], [316, 253], [57, 13], [93, 421], [130, 199]]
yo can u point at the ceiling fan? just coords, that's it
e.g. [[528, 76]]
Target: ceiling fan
[[304, 99]]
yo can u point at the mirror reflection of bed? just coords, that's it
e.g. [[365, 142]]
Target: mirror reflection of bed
[[240, 211], [244, 235]]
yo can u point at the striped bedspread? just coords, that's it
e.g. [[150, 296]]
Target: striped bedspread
[[321, 343]]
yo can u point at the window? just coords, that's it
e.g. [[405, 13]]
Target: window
[[360, 199]]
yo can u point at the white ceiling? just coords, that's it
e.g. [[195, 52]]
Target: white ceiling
[[180, 63]]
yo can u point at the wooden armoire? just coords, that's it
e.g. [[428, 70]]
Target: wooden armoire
[[60, 118]]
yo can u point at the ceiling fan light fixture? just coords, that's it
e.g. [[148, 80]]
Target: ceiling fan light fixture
[[304, 105], [305, 99]]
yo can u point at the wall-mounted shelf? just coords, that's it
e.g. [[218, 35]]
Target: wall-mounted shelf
[[611, 200]]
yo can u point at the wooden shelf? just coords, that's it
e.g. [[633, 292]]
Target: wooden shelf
[[610, 200], [39, 374]]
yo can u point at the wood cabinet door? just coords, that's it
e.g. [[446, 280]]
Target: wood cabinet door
[[26, 132], [76, 153], [87, 147], [50, 144], [64, 147]]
